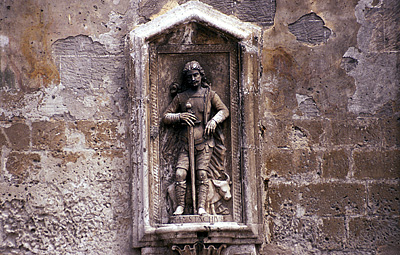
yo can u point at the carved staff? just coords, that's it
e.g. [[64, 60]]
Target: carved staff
[[191, 158]]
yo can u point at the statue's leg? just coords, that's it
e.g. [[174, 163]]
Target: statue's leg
[[180, 190], [180, 184], [202, 191], [202, 161], [212, 210]]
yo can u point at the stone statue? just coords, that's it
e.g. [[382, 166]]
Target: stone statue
[[200, 110]]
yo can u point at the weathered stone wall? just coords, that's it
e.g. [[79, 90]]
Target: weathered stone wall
[[65, 175], [328, 124], [330, 129]]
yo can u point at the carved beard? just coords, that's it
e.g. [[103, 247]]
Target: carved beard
[[194, 83]]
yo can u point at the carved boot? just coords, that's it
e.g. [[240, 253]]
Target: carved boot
[[202, 190], [180, 191]]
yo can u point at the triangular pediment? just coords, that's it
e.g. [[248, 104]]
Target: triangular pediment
[[195, 11]]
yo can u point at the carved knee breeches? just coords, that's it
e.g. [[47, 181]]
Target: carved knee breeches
[[202, 159]]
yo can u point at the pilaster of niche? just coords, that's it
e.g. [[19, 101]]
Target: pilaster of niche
[[229, 51]]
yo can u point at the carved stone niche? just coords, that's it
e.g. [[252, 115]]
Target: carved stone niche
[[229, 51]]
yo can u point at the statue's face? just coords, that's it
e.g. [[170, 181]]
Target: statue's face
[[193, 78]]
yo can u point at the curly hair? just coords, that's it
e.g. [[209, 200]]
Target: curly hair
[[193, 65]]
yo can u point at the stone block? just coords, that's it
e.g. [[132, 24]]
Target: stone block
[[377, 164], [278, 162], [63, 166], [290, 163], [94, 166], [18, 135], [312, 129], [282, 199], [225, 6], [249, 249], [332, 234], [21, 164], [335, 164], [369, 233], [333, 199], [274, 133], [274, 249], [355, 133], [323, 234], [383, 199], [47, 135], [284, 133], [391, 131], [259, 11], [284, 227], [308, 233], [99, 134], [66, 157], [155, 251]]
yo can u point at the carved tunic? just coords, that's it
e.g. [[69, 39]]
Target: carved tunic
[[203, 101]]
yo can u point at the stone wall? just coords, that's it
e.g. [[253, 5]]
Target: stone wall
[[330, 130], [329, 127]]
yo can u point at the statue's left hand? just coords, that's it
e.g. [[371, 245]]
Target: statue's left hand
[[210, 127]]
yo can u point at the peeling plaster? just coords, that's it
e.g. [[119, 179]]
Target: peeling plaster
[[307, 106], [166, 7], [310, 29], [376, 64], [373, 88], [4, 41]]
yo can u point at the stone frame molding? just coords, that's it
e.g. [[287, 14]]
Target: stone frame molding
[[146, 232]]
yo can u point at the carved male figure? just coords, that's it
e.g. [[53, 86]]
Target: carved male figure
[[193, 107]]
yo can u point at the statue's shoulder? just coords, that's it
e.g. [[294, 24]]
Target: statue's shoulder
[[183, 94], [183, 97], [212, 93]]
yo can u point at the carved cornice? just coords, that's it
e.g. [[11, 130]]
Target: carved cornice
[[198, 12]]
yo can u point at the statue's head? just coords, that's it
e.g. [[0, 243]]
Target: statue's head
[[193, 73], [193, 65]]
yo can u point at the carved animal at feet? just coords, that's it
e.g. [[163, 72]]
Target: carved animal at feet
[[217, 190], [220, 189]]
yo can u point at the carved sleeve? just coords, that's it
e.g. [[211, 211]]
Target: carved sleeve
[[170, 115], [222, 110]]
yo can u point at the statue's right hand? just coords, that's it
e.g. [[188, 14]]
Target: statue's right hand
[[188, 118]]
